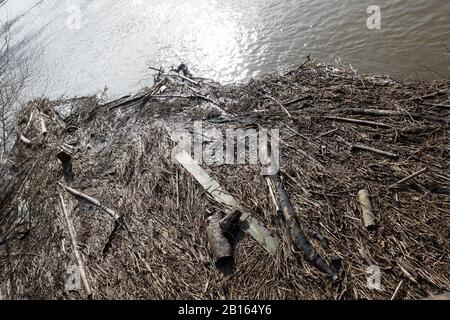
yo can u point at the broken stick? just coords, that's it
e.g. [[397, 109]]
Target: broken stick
[[25, 140], [298, 238], [373, 150], [415, 174], [360, 122], [72, 235], [97, 203]]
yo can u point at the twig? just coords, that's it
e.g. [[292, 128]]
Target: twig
[[327, 133], [396, 290], [25, 140], [360, 122], [97, 203], [44, 131], [279, 103], [437, 105], [289, 102], [75, 247], [379, 112], [377, 151], [308, 58], [415, 174]]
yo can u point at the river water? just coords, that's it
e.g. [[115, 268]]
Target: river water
[[79, 47]]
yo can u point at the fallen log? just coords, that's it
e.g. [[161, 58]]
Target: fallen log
[[73, 239], [354, 147], [298, 238], [367, 209], [360, 122]]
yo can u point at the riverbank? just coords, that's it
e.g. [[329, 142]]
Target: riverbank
[[142, 230]]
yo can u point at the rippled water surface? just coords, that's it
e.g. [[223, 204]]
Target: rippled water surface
[[227, 40]]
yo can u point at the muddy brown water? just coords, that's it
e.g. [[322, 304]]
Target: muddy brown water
[[81, 46]]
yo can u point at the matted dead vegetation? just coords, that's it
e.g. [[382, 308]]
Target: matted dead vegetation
[[121, 156]]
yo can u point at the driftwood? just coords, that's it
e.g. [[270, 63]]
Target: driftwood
[[293, 101], [44, 131], [394, 295], [221, 249], [72, 235], [415, 174], [249, 224], [278, 103], [97, 203], [367, 209], [360, 122], [25, 140], [230, 221], [354, 147], [65, 157], [298, 238], [379, 112]]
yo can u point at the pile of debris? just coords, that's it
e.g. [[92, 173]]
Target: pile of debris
[[96, 203]]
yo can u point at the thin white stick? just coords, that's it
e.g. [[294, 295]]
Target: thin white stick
[[396, 290], [75, 247]]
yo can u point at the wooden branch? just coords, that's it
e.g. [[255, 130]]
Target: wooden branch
[[327, 133], [415, 174], [397, 290], [97, 203], [379, 112], [437, 105], [44, 131], [367, 209], [29, 122], [302, 98], [72, 234], [25, 140], [360, 122], [298, 238], [278, 103], [377, 151]]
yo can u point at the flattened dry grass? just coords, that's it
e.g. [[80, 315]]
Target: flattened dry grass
[[123, 159]]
